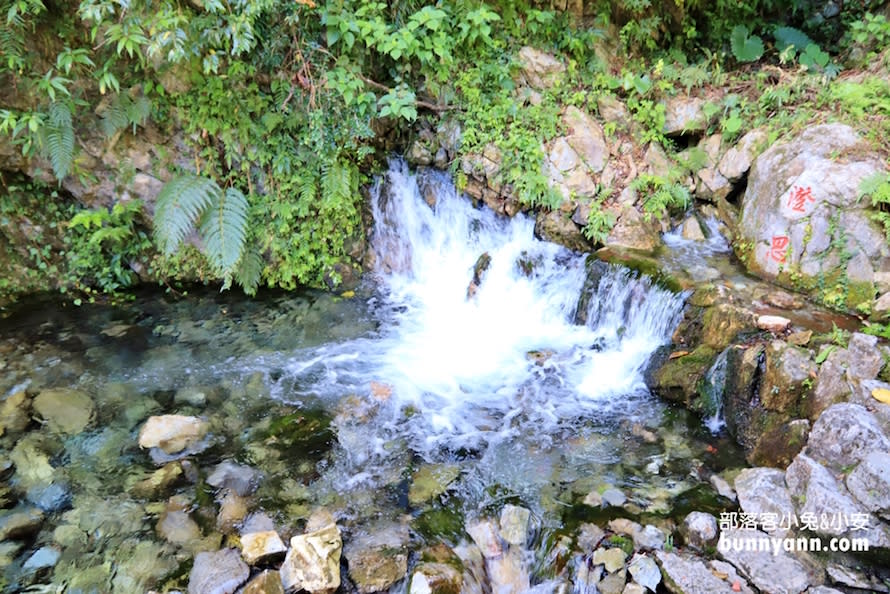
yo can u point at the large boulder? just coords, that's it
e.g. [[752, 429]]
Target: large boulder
[[844, 435], [540, 70], [802, 220]]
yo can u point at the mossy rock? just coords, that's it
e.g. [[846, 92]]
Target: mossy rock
[[678, 379]]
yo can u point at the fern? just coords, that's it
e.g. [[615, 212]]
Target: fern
[[58, 139], [336, 183], [123, 111], [249, 271], [180, 205], [224, 231]]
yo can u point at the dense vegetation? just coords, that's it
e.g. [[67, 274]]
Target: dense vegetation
[[287, 107]]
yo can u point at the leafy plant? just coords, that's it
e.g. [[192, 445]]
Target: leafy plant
[[877, 188], [57, 139], [660, 195], [187, 203], [745, 46]]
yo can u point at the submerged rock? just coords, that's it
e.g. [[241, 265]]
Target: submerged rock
[[431, 480], [65, 411], [514, 524], [172, 433], [313, 561], [221, 572], [15, 414], [435, 578], [20, 522], [159, 483], [240, 479]]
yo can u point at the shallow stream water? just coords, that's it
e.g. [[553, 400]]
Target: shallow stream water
[[341, 401]]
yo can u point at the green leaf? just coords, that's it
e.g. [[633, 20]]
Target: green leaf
[[745, 47], [224, 230], [790, 37], [180, 204], [59, 139]]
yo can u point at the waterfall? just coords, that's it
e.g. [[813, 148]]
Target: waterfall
[[712, 391], [478, 341]]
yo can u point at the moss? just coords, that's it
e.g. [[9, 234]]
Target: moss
[[679, 378]]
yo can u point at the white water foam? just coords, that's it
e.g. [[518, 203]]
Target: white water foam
[[507, 360]]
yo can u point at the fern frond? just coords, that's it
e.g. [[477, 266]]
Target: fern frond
[[224, 231], [180, 204], [59, 139], [249, 270], [336, 183], [138, 111], [114, 117]]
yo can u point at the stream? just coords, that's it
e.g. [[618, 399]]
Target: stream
[[477, 366]]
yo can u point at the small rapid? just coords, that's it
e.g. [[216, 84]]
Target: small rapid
[[478, 340]]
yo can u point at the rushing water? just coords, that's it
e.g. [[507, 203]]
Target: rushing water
[[462, 349]]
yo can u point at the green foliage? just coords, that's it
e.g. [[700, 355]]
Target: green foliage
[[789, 37], [661, 196], [745, 46], [877, 188], [104, 244], [189, 202], [58, 139], [879, 330], [599, 221], [123, 111], [868, 35]]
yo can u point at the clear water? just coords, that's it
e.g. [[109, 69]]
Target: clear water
[[414, 369]]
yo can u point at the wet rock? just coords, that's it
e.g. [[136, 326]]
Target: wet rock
[[539, 69], [613, 497], [723, 322], [42, 558], [624, 526], [613, 583], [684, 115], [435, 578], [63, 410], [786, 373], [774, 324], [232, 510], [514, 524], [241, 480], [15, 414], [777, 447], [645, 571], [159, 483], [379, 559], [712, 185], [728, 573], [723, 488], [221, 572], [8, 552], [685, 574], [178, 528], [313, 561], [486, 536], [820, 494], [762, 490], [880, 311], [508, 573], [589, 537], [172, 433], [738, 159], [267, 582], [678, 379], [870, 483], [778, 573], [192, 396], [431, 480], [649, 538], [613, 559], [691, 229], [258, 547], [558, 227], [844, 435], [141, 565], [633, 231], [699, 530], [20, 522], [633, 588], [823, 590]]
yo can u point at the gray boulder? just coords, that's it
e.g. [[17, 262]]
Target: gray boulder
[[772, 571], [763, 491], [844, 435], [217, 573], [685, 574], [870, 483], [801, 215]]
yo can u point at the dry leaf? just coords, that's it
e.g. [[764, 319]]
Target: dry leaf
[[678, 354], [881, 395]]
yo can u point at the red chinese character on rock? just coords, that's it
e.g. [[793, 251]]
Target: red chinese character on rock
[[777, 251], [799, 197]]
